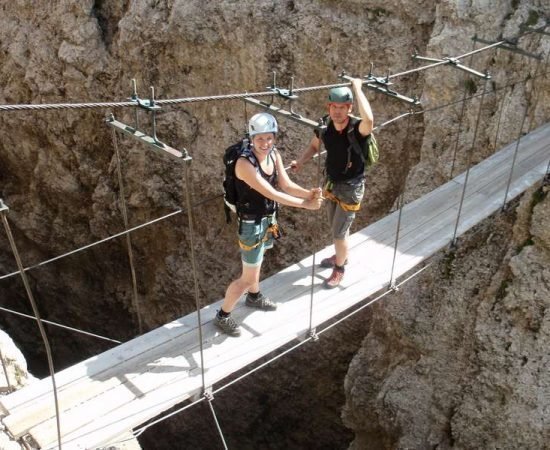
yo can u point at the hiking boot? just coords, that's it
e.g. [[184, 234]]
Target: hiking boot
[[334, 279], [227, 325], [261, 302], [329, 263]]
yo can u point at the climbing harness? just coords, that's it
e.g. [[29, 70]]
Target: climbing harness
[[327, 193], [272, 229], [345, 206]]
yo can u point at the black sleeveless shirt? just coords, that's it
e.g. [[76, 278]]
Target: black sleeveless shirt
[[249, 201], [343, 162]]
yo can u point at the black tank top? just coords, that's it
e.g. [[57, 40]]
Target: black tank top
[[249, 201], [343, 163]]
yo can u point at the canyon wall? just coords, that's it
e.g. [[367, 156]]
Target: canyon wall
[[58, 176]]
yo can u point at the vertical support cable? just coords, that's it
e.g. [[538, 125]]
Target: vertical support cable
[[318, 182], [401, 202], [135, 297], [499, 118], [469, 162], [219, 428], [520, 134], [5, 371], [186, 164], [462, 110], [536, 101], [4, 211]]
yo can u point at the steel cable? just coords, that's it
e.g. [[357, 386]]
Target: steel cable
[[3, 212], [124, 209]]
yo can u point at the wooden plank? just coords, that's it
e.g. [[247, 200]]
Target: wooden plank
[[108, 401], [499, 175], [120, 356], [501, 161], [42, 407]]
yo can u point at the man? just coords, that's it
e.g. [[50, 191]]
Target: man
[[259, 171], [345, 184]]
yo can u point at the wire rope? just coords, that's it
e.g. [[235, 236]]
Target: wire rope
[[122, 196], [49, 322], [3, 212], [469, 163]]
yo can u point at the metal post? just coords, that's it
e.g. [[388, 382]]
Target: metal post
[[401, 203], [4, 211], [128, 238], [153, 115], [187, 163], [469, 163], [463, 107], [520, 133], [290, 95], [135, 97], [245, 119]]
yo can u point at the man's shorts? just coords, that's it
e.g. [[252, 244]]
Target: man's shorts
[[340, 220], [253, 233]]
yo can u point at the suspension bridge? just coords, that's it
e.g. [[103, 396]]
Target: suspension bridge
[[106, 398]]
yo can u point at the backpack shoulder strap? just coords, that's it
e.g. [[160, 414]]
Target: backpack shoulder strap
[[247, 153], [352, 138], [326, 120]]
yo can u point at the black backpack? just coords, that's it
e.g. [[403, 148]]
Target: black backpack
[[232, 153], [370, 154]]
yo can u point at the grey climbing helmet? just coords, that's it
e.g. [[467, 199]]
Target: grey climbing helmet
[[340, 95], [262, 123]]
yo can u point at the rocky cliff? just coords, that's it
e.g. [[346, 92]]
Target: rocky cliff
[[58, 177], [458, 358]]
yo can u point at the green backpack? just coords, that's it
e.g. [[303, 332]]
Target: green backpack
[[370, 154]]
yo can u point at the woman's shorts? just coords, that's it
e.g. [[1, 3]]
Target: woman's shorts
[[253, 233]]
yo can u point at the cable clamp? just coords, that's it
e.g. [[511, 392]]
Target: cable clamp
[[208, 393], [313, 335], [148, 105], [453, 61], [284, 93]]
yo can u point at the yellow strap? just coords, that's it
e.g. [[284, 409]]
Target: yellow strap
[[273, 229], [345, 206]]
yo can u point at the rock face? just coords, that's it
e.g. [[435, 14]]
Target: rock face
[[13, 375], [458, 358], [58, 175]]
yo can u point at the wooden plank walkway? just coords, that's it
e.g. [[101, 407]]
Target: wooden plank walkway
[[111, 393]]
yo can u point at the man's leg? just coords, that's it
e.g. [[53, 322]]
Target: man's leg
[[341, 250], [341, 223]]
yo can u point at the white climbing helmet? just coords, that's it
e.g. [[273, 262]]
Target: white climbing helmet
[[262, 123]]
